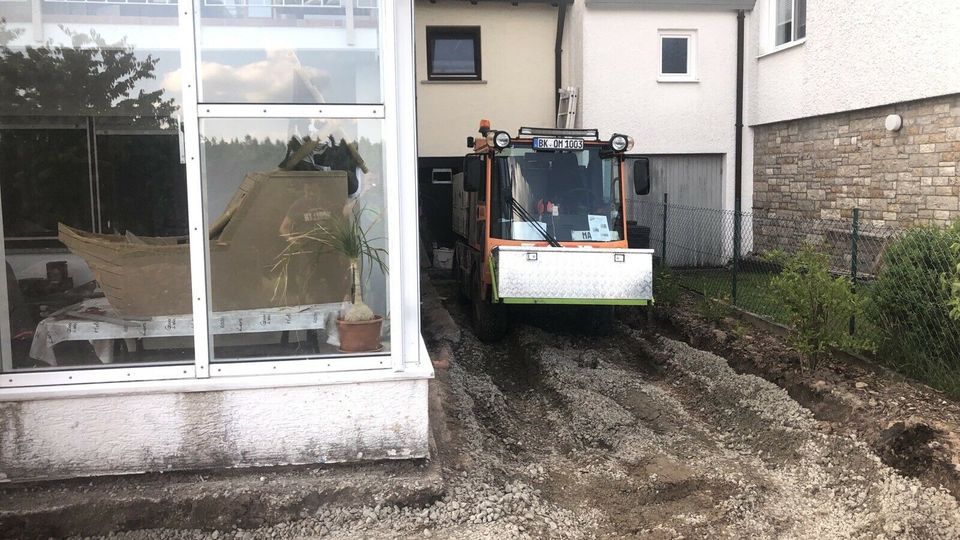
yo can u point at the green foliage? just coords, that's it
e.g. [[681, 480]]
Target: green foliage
[[90, 77], [666, 287], [739, 330], [715, 308], [911, 303], [347, 235], [955, 282], [819, 305]]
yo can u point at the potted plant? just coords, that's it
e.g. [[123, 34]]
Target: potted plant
[[358, 326]]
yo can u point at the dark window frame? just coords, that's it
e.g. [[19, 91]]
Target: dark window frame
[[460, 32]]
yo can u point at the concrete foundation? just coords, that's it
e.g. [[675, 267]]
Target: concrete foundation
[[129, 433]]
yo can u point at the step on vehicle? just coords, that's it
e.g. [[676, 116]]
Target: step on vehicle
[[540, 220]]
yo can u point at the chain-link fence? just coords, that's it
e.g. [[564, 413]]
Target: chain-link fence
[[902, 274]]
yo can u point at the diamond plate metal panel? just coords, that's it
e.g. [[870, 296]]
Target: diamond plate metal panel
[[574, 273]]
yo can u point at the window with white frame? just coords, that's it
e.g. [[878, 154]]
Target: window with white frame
[[127, 248], [678, 56], [789, 21]]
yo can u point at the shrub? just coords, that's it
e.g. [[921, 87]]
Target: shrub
[[715, 308], [911, 304], [818, 305], [666, 288], [955, 285]]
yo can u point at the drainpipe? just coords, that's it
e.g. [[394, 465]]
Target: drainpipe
[[738, 155], [738, 161], [557, 50]]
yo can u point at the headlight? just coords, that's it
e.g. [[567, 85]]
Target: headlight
[[501, 140], [619, 142]]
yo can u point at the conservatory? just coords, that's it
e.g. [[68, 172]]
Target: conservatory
[[209, 235]]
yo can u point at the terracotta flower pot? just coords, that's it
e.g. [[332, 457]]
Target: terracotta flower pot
[[360, 336]]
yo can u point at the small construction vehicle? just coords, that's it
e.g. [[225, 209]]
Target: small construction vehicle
[[540, 220]]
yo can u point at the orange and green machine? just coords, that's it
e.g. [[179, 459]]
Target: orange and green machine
[[541, 219]]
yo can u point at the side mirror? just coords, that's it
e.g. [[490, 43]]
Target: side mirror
[[474, 172], [641, 176]]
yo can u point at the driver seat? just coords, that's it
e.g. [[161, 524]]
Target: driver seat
[[565, 177]]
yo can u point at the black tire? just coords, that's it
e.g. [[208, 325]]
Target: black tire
[[462, 297], [490, 321]]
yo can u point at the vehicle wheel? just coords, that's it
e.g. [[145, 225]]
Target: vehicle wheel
[[489, 320], [599, 320], [460, 280]]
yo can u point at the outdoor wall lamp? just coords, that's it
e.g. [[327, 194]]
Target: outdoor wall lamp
[[893, 122]]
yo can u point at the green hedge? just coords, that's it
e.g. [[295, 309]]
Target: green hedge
[[910, 305]]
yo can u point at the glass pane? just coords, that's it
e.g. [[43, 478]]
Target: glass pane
[[568, 195], [801, 18], [298, 232], [453, 56], [38, 194], [92, 187], [288, 51], [784, 25], [674, 55]]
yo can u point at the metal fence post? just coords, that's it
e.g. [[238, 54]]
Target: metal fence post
[[853, 262], [663, 239], [737, 217]]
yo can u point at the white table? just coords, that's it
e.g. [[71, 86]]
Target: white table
[[102, 334]]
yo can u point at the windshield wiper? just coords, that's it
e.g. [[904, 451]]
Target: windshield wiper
[[536, 224]]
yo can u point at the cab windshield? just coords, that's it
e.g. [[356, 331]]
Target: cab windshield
[[572, 196]]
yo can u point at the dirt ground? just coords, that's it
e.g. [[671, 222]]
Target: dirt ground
[[910, 426], [551, 434]]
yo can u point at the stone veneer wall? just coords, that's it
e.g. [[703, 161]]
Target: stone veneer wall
[[824, 167]]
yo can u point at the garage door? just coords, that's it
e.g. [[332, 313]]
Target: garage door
[[695, 223]]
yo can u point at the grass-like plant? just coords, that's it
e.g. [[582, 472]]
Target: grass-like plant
[[345, 235]]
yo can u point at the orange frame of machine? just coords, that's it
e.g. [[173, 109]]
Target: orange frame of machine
[[489, 243]]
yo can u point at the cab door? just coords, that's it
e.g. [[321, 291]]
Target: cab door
[[636, 185]]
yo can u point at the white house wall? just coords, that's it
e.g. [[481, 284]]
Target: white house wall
[[857, 55], [621, 63], [517, 63]]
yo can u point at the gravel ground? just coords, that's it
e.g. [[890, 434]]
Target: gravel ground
[[561, 436]]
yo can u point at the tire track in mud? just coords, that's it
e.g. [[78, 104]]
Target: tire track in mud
[[663, 440]]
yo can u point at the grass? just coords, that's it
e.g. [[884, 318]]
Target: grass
[[753, 290]]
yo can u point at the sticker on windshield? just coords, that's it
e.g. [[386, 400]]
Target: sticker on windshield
[[599, 227], [528, 231], [543, 143]]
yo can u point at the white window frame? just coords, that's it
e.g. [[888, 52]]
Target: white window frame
[[399, 146], [691, 75], [443, 170], [770, 42]]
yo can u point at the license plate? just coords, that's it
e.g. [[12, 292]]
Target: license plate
[[541, 143]]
